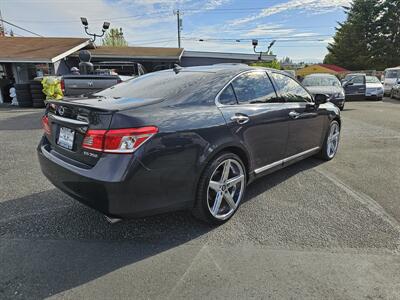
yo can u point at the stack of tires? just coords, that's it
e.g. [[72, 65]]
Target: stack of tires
[[23, 93], [38, 96]]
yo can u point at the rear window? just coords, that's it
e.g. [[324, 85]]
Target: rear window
[[164, 84], [321, 81]]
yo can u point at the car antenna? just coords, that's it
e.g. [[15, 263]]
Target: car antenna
[[177, 68]]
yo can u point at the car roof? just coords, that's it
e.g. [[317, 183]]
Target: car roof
[[228, 68], [320, 75]]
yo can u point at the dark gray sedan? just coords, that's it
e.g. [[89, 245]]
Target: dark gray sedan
[[188, 138], [326, 84]]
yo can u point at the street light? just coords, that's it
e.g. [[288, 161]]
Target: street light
[[85, 24], [270, 45], [255, 44]]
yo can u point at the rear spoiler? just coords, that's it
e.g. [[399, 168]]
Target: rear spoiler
[[107, 104]]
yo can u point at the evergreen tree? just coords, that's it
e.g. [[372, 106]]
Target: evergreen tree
[[355, 39], [115, 38], [387, 51]]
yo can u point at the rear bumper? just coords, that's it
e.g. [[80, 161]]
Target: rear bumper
[[118, 185]]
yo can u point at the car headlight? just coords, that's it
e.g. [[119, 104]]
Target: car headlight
[[338, 95]]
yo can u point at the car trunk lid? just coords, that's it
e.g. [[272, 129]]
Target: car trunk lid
[[69, 120]]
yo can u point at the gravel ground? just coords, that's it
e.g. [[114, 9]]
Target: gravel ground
[[313, 230]]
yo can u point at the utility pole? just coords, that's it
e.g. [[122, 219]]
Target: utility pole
[[2, 29], [179, 25]]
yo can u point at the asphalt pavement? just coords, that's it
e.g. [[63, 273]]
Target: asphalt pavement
[[313, 230]]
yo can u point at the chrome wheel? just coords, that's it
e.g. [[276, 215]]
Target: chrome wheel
[[225, 189], [333, 140]]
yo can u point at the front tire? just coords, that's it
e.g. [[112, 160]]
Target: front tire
[[331, 142], [221, 189]]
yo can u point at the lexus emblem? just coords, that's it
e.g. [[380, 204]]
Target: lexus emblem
[[61, 110], [90, 83]]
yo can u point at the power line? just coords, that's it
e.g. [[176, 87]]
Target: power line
[[96, 20], [19, 27], [238, 40]]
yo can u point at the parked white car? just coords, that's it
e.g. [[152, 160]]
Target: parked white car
[[391, 76], [374, 88]]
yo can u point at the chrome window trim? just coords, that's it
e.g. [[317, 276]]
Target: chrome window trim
[[68, 121], [285, 160], [218, 104], [304, 88]]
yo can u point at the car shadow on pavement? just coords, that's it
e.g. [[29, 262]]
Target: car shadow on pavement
[[25, 121], [263, 184], [50, 243]]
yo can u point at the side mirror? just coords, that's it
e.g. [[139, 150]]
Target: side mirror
[[320, 99], [348, 83]]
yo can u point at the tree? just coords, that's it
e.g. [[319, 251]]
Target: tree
[[388, 53], [286, 61], [115, 38], [268, 64], [369, 38], [354, 39]]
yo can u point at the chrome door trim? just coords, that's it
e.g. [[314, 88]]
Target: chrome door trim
[[285, 160], [216, 100], [68, 121]]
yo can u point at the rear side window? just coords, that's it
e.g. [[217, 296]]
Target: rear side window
[[290, 89], [227, 97], [254, 87]]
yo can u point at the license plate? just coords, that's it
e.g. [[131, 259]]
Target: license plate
[[66, 138]]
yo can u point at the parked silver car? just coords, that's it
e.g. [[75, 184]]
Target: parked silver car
[[395, 92], [374, 88]]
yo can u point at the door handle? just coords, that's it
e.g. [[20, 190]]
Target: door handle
[[294, 115], [240, 119]]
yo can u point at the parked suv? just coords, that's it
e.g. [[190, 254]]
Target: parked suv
[[391, 75]]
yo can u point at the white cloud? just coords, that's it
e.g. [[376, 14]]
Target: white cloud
[[270, 30], [309, 5]]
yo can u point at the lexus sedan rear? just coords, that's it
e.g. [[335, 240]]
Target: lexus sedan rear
[[187, 138]]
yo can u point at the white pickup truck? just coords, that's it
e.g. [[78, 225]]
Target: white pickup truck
[[77, 85]]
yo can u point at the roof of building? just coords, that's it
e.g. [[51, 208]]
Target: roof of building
[[38, 49], [334, 68], [138, 52]]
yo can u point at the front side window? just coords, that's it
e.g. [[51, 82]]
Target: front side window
[[357, 80], [290, 89], [254, 87]]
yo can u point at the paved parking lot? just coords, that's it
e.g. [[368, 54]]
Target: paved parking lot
[[313, 230]]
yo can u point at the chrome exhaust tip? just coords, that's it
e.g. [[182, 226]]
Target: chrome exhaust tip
[[113, 220]]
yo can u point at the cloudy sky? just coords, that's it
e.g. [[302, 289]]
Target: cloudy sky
[[301, 28]]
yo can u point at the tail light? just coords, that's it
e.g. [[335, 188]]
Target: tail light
[[46, 125], [118, 140], [62, 83]]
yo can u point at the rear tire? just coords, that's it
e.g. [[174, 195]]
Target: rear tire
[[331, 142], [220, 189]]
